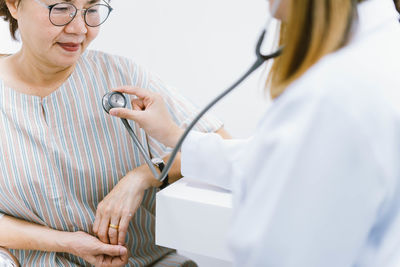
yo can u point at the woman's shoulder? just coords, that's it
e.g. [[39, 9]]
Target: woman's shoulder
[[104, 57], [109, 62], [117, 69]]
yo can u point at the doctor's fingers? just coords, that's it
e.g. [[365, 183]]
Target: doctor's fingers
[[131, 90], [125, 113], [138, 104]]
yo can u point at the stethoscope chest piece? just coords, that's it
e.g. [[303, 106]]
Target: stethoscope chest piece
[[113, 100]]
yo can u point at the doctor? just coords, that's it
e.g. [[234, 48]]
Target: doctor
[[319, 182]]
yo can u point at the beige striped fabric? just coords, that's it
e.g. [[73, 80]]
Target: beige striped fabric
[[62, 154]]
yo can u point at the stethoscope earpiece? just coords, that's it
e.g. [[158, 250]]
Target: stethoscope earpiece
[[113, 100]]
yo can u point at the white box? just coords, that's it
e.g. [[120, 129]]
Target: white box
[[194, 217]]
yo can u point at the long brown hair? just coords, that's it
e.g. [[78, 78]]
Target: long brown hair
[[314, 28]]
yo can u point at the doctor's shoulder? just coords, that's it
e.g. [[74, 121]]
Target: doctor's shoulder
[[343, 81]]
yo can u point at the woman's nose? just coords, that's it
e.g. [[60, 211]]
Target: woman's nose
[[78, 24]]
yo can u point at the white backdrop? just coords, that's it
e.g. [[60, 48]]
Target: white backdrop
[[199, 47]]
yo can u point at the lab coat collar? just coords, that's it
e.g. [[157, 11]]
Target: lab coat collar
[[374, 13]]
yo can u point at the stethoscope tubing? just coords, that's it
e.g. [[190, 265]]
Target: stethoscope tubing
[[140, 147]]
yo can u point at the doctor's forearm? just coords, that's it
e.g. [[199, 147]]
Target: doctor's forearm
[[223, 133]]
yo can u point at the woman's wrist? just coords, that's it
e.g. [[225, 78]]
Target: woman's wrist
[[143, 178], [65, 242]]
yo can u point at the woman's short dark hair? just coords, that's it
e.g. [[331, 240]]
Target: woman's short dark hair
[[6, 15]]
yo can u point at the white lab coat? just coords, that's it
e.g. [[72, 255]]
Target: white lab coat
[[318, 185]]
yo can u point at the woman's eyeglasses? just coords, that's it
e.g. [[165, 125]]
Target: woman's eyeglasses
[[61, 14]]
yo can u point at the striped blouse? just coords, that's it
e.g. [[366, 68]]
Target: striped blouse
[[62, 154]]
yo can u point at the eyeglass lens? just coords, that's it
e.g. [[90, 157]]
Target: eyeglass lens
[[63, 13]]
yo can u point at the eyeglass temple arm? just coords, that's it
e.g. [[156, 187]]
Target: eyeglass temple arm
[[42, 4]]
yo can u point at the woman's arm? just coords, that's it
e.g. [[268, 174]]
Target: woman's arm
[[118, 207], [121, 203], [23, 235]]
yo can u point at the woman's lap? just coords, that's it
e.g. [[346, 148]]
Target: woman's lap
[[174, 260]]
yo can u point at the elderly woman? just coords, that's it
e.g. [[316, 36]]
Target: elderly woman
[[72, 188]]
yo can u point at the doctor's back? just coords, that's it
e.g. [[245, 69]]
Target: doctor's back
[[319, 184]]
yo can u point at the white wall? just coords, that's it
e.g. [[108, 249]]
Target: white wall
[[199, 47]]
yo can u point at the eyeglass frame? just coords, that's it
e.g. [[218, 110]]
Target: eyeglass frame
[[50, 7]]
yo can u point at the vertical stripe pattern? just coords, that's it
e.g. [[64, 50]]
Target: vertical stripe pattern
[[62, 154]]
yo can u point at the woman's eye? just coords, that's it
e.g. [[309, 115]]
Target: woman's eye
[[92, 11], [61, 9]]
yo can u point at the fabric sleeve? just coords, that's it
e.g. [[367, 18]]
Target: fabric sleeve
[[209, 157]]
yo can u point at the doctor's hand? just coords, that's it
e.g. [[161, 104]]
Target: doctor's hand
[[116, 210], [150, 112]]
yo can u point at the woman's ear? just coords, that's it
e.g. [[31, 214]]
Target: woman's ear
[[13, 7]]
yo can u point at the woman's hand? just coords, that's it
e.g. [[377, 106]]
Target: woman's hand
[[116, 210], [150, 112], [96, 252], [23, 235]]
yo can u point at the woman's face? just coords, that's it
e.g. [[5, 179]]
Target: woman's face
[[55, 46], [283, 9]]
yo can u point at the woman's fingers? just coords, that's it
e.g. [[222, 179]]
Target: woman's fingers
[[96, 223], [104, 223], [112, 250], [123, 228], [113, 230], [93, 250]]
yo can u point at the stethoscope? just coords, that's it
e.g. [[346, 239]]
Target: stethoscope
[[118, 100]]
